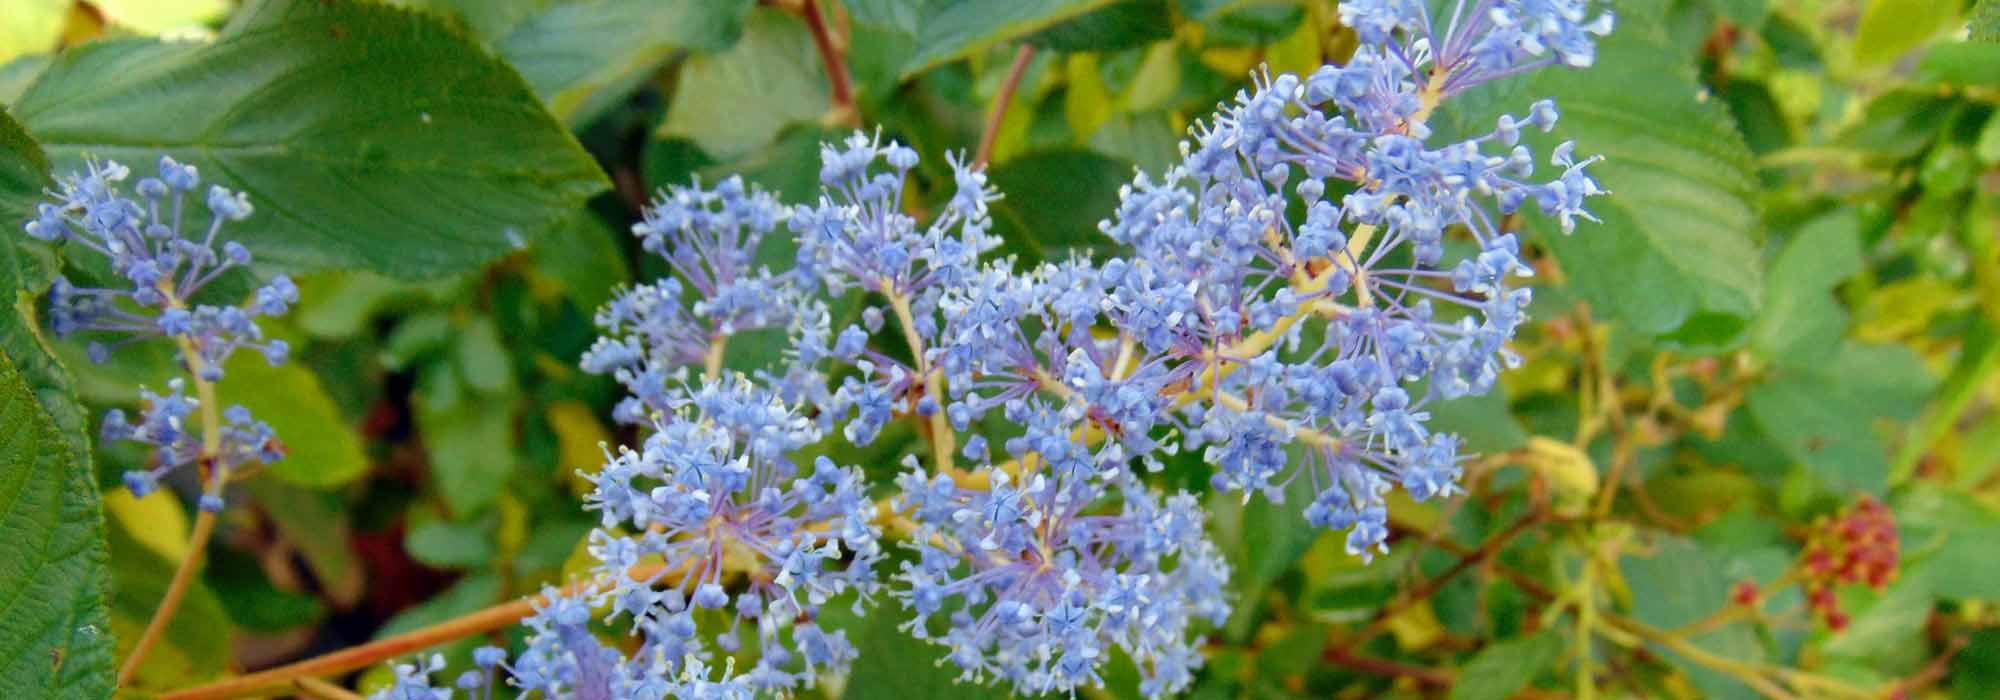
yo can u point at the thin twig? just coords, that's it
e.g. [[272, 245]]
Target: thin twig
[[839, 82], [998, 115], [1385, 667], [1424, 591]]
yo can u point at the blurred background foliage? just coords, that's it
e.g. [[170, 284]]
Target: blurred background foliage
[[1790, 309]]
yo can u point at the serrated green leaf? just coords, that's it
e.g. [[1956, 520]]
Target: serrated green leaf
[[1504, 667], [54, 578], [952, 30], [56, 643], [583, 56], [323, 448], [366, 135], [735, 102]]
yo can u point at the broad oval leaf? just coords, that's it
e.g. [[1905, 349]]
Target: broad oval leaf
[[366, 135]]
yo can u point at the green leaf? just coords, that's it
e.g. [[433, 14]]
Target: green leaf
[[1051, 201], [194, 647], [892, 665], [338, 304], [54, 580], [1801, 324], [471, 443], [1976, 670], [483, 361], [1888, 28], [581, 57], [56, 642], [1747, 15], [1261, 539], [366, 135], [1680, 230], [1680, 584], [469, 594], [1971, 565], [1822, 415], [1483, 422], [1122, 25], [16, 75], [486, 20], [324, 449], [1507, 666], [1962, 64], [953, 30], [736, 101], [315, 523], [447, 544], [586, 262]]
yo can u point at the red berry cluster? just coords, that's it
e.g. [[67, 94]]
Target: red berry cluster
[[1860, 546]]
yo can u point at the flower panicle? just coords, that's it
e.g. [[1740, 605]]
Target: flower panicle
[[160, 261]]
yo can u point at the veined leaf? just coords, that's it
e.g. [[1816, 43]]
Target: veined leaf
[[955, 29], [56, 642], [736, 101], [368, 136], [581, 57], [54, 580]]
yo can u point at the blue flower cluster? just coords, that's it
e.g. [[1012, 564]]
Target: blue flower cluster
[[1296, 293], [160, 268], [1032, 582]]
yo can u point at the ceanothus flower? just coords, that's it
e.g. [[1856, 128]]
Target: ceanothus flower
[[858, 235], [163, 264], [710, 240], [713, 491], [1291, 299], [163, 426], [1033, 582], [1336, 329]]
